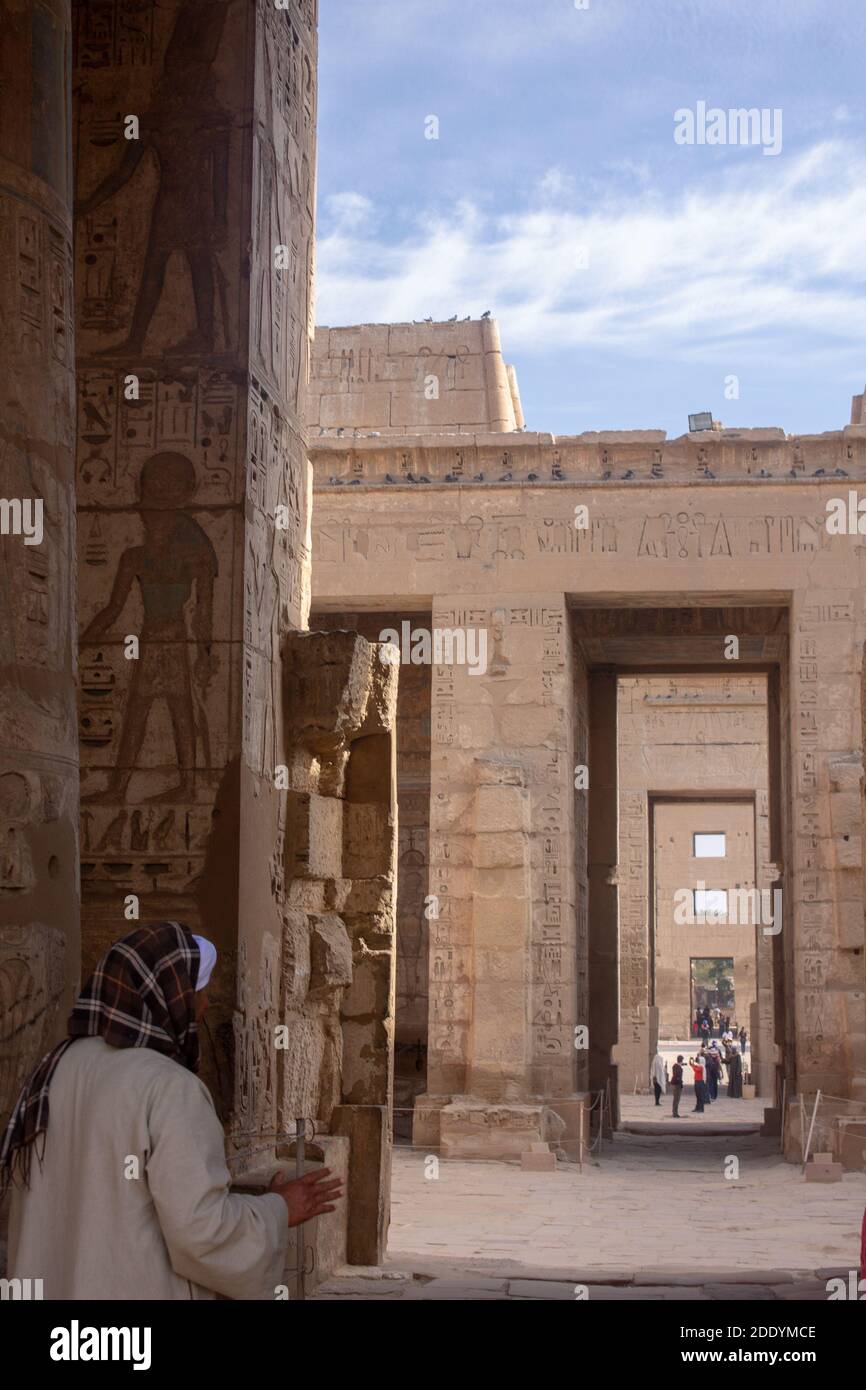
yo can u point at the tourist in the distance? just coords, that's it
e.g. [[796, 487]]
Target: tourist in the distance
[[697, 1066], [117, 1159], [735, 1074], [714, 1072], [677, 1086], [659, 1076]]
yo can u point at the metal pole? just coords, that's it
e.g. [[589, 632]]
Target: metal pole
[[580, 1137], [300, 1251], [811, 1129]]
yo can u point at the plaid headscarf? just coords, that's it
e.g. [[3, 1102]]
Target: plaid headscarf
[[140, 995]]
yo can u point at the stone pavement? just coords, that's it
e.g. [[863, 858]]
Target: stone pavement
[[655, 1219], [638, 1112], [461, 1283]]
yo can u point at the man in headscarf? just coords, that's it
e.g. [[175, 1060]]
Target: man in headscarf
[[735, 1073], [659, 1076], [129, 1195]]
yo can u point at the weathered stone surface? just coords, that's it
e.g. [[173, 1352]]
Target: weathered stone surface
[[368, 1129], [39, 893], [492, 537], [238, 772], [403, 378]]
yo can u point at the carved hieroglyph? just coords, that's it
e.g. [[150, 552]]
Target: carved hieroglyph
[[195, 145], [490, 529], [38, 745], [201, 799]]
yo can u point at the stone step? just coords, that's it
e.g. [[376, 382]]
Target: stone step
[[698, 1129]]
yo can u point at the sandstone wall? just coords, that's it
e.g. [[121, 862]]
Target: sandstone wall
[[404, 378], [738, 519], [413, 856], [677, 944], [39, 893], [685, 734]]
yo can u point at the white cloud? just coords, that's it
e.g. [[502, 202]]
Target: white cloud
[[555, 185], [349, 211], [739, 260]]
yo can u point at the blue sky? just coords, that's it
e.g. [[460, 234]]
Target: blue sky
[[632, 276]]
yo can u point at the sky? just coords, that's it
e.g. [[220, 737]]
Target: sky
[[637, 272]]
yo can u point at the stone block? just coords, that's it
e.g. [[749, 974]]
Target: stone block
[[538, 1162], [499, 809], [313, 836], [473, 1129], [369, 1179], [508, 849], [849, 1143], [355, 410], [330, 956], [368, 840], [824, 1172], [325, 1237]]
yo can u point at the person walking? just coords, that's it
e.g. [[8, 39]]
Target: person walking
[[659, 1076], [677, 1087], [697, 1066]]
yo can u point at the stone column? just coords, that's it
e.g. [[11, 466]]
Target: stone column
[[39, 895], [603, 907], [195, 148], [827, 877], [503, 948], [337, 965]]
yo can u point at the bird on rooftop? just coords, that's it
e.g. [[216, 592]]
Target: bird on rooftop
[[487, 314]]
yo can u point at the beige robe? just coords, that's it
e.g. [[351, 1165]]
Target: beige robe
[[89, 1231]]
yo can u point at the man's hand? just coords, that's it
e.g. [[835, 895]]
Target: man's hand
[[308, 1196]]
